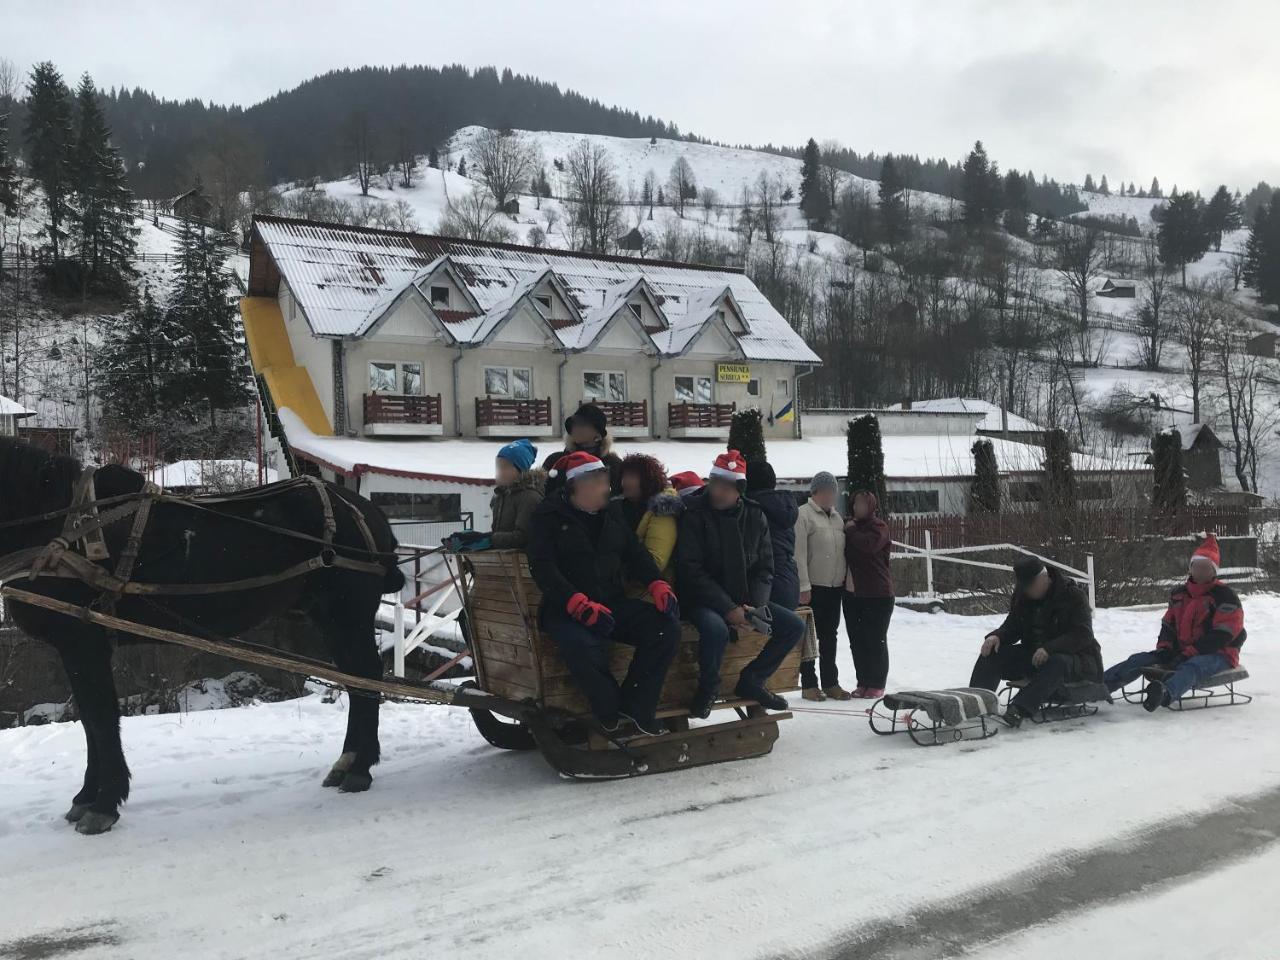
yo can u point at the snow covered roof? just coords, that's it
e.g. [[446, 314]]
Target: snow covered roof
[[471, 461], [11, 408], [991, 420], [1190, 433], [345, 278]]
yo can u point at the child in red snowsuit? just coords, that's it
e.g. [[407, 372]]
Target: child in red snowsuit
[[1201, 634]]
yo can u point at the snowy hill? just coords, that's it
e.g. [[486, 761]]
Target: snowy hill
[[1113, 205]]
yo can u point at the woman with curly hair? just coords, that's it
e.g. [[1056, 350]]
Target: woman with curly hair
[[650, 506]]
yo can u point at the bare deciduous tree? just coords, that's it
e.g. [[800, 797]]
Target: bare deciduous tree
[[681, 184], [768, 194], [504, 161], [1153, 310], [474, 216], [361, 147], [1195, 319], [1079, 264], [594, 195], [709, 198], [1251, 417]]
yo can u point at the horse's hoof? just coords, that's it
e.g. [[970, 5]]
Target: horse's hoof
[[77, 811], [333, 778], [356, 783], [93, 822], [339, 770]]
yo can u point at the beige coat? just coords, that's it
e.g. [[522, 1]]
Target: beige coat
[[819, 547]]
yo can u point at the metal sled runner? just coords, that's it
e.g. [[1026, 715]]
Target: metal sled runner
[[1071, 701], [1218, 691], [933, 718]]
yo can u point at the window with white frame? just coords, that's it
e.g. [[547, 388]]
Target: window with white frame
[[753, 387], [545, 300], [610, 385], [693, 389], [395, 376], [636, 309], [784, 387], [513, 382]]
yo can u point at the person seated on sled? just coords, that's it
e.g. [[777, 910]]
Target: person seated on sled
[[517, 491], [579, 553], [1047, 638], [1201, 634], [587, 431], [724, 574]]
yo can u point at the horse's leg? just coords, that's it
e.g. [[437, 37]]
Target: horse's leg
[[75, 677], [347, 626], [100, 712]]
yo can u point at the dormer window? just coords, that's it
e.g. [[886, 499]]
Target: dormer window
[[439, 296], [545, 300], [635, 309]]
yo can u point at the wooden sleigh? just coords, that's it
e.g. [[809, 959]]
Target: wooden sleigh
[[517, 663]]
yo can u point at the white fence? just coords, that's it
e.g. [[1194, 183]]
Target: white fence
[[930, 556], [429, 604]]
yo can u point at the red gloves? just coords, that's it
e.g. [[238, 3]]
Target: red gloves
[[664, 598], [592, 615]]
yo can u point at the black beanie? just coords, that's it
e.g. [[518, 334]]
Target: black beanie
[[589, 414], [760, 476], [1026, 570]]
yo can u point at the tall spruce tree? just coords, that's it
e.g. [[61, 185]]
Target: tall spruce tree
[[200, 305], [893, 205], [1262, 251], [984, 493], [141, 372], [980, 189], [1169, 494], [865, 469], [103, 228], [1182, 236], [814, 202], [1221, 215], [1016, 203], [8, 175], [48, 137], [746, 435]]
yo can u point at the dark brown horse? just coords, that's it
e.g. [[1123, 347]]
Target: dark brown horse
[[199, 542]]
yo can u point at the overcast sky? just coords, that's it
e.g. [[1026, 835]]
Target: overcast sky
[[1183, 89]]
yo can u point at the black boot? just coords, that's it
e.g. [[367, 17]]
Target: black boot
[[702, 701], [750, 690], [1153, 699], [1013, 717]]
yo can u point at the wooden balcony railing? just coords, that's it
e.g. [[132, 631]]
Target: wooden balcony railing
[[700, 415], [494, 412], [625, 413], [401, 408]]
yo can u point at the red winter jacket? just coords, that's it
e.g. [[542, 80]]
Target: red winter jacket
[[1203, 618], [867, 544]]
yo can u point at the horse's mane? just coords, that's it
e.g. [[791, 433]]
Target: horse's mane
[[33, 480]]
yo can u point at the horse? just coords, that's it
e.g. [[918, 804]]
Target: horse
[[341, 542]]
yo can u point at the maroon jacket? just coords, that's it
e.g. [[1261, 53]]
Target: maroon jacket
[[866, 549]]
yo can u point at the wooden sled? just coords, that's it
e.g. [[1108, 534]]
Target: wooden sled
[[1071, 701], [519, 664], [1218, 691], [933, 718]]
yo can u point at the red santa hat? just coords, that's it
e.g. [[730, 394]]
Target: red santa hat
[[730, 466], [576, 464], [1208, 551], [687, 480]]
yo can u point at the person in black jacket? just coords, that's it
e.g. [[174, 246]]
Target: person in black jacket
[[1047, 637], [781, 510], [579, 552], [724, 575], [587, 430]]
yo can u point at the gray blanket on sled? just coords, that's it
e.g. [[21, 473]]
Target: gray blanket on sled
[[951, 707]]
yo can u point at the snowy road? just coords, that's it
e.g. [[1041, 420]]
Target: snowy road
[[1044, 842]]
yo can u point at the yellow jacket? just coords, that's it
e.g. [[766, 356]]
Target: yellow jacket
[[657, 531]]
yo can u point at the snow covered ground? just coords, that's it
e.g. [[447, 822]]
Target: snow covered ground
[[230, 848]]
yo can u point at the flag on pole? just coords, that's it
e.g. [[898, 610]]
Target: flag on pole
[[787, 414]]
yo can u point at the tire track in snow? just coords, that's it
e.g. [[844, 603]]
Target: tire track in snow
[[1076, 881]]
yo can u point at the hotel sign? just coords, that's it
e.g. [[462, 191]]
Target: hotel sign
[[733, 372]]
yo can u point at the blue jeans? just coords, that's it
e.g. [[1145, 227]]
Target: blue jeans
[[1189, 673], [713, 640]]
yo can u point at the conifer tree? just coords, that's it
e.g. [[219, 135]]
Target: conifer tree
[[980, 189], [1016, 203], [893, 207], [1103, 187], [1262, 251], [865, 469], [1182, 237], [462, 166], [1058, 496], [746, 435], [103, 227], [200, 306], [140, 369], [815, 205], [1169, 495], [48, 138], [1155, 188], [8, 187], [1089, 185], [1221, 215], [984, 494]]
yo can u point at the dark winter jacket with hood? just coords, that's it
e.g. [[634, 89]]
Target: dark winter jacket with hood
[[512, 510], [1061, 622], [575, 552], [867, 545], [781, 510], [724, 558]]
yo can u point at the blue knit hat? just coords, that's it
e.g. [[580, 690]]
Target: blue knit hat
[[520, 454]]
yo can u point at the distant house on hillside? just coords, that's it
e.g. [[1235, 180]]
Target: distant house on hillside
[[1263, 345], [632, 241], [192, 205], [10, 413], [1200, 456], [994, 418], [1118, 288]]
